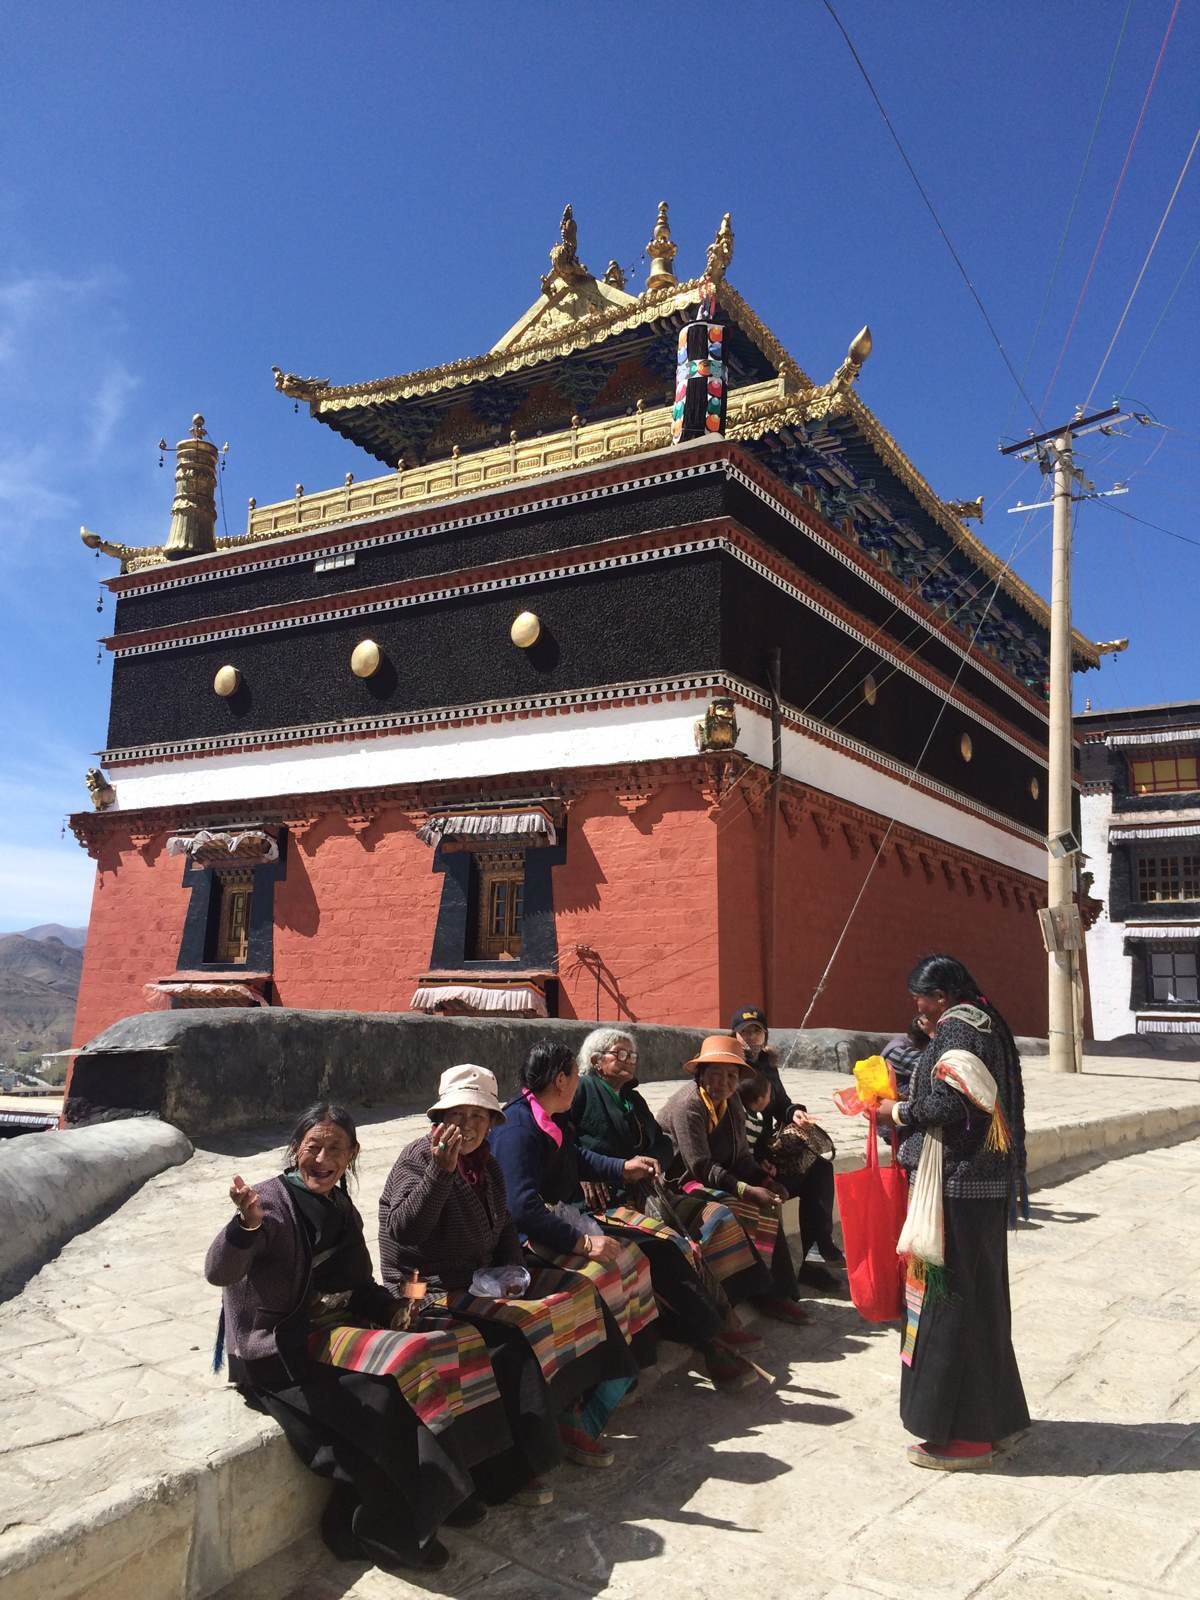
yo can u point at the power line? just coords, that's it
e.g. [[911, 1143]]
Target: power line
[[930, 207], [1142, 273], [1112, 66], [1157, 526], [1112, 204], [1163, 313]]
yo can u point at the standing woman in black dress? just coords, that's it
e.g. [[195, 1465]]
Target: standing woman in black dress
[[962, 1131]]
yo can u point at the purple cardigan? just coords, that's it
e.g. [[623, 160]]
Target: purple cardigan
[[265, 1274]]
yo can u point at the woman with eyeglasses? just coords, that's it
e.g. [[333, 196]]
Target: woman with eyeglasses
[[688, 1257]]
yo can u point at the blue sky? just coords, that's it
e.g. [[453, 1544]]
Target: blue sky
[[187, 197]]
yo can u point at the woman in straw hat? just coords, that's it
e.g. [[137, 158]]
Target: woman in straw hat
[[708, 1126], [444, 1215]]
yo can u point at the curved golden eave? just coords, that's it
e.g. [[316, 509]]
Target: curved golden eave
[[585, 332]]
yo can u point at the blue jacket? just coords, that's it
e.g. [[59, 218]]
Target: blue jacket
[[538, 1174]]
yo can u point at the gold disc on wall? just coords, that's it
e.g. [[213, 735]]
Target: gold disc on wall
[[366, 659], [227, 681], [965, 748], [526, 630]]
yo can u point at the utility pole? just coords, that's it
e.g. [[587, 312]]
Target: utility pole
[[1054, 452]]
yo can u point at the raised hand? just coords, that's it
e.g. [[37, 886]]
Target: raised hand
[[445, 1140], [249, 1206]]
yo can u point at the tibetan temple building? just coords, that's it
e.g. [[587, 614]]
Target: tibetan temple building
[[597, 700]]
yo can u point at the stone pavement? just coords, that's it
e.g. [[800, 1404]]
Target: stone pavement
[[127, 1468], [803, 1490]]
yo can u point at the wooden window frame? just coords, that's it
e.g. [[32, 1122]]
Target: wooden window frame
[[1165, 782], [1187, 954], [1168, 879], [231, 933], [499, 870]]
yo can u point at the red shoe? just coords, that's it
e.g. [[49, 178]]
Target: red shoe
[[784, 1311], [738, 1338], [956, 1455], [582, 1449]]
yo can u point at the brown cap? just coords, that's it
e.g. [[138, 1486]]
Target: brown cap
[[718, 1050]]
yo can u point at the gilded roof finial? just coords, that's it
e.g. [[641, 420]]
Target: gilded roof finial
[[661, 251], [194, 508], [860, 348], [720, 251], [614, 276], [564, 257]]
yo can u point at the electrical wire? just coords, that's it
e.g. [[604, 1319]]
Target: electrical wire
[[1157, 526], [1112, 204], [929, 206], [1142, 272], [1162, 314], [1112, 66]]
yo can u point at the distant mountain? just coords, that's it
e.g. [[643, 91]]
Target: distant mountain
[[74, 937], [39, 979]]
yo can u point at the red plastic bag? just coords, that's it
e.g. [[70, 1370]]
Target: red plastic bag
[[873, 1203]]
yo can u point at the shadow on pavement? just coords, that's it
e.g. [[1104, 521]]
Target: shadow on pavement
[[1064, 1449]]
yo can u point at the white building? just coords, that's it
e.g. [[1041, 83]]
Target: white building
[[1140, 822]]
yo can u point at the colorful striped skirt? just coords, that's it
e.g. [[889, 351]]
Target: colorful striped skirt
[[720, 1236], [624, 1285], [560, 1325], [443, 1369]]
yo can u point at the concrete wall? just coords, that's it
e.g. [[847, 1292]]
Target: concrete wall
[[54, 1184], [214, 1071]]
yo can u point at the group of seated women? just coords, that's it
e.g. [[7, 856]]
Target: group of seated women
[[530, 1253]]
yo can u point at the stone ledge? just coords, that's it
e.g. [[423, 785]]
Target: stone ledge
[[231, 1494]]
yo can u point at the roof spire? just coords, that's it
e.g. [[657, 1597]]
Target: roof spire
[[194, 508], [860, 348], [564, 257], [661, 251], [720, 252]]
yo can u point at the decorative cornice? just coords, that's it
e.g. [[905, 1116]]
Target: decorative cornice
[[721, 781]]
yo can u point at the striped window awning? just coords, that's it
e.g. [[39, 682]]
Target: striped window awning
[[184, 992], [1185, 1024], [479, 999], [1132, 741], [1185, 831], [478, 830], [1162, 930], [216, 846]]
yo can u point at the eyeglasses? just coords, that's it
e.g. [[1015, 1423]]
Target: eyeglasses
[[622, 1055]]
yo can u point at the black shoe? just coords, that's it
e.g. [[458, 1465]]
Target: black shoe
[[337, 1523], [394, 1551], [831, 1255], [816, 1277], [468, 1515]]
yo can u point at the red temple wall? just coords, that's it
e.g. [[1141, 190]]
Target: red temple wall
[[639, 888], [138, 908], [666, 897]]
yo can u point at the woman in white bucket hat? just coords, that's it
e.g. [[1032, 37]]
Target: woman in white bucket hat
[[444, 1215]]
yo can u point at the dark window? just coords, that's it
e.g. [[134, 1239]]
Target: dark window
[[1169, 877], [1173, 975], [1163, 775]]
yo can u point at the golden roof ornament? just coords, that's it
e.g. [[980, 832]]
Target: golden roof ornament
[[298, 388], [614, 275], [564, 257], [720, 251], [966, 510], [860, 348], [102, 792], [194, 508], [661, 251]]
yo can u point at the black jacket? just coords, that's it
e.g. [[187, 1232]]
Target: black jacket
[[538, 1173]]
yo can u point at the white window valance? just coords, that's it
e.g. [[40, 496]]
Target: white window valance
[[1163, 930], [217, 845], [1155, 736], [479, 829], [1169, 1024], [185, 992], [515, 999], [1186, 831]]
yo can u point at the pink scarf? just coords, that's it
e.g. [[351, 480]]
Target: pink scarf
[[543, 1119]]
